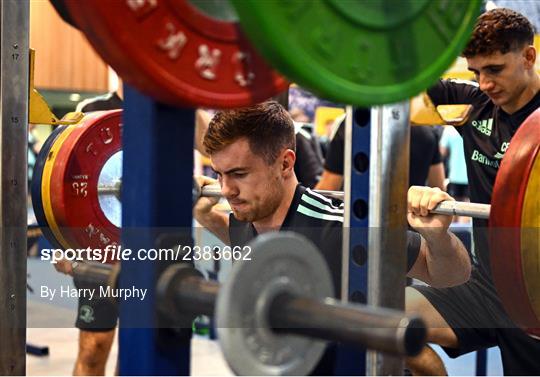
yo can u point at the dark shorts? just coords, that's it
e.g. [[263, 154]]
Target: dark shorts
[[478, 319], [458, 191], [96, 314]]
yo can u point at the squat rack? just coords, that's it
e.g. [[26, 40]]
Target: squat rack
[[157, 203]]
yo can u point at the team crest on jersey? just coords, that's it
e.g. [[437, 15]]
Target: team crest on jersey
[[504, 147], [484, 126], [86, 314]]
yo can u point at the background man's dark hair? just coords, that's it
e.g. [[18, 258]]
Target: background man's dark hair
[[499, 30], [268, 127]]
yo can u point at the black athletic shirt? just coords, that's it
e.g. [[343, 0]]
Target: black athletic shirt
[[424, 152], [486, 136], [318, 219], [308, 166]]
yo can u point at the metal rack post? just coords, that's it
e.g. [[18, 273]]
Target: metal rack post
[[389, 180], [14, 26], [156, 203]]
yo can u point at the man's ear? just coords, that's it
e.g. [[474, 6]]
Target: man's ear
[[529, 54], [288, 159]]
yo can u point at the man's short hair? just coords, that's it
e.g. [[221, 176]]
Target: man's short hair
[[268, 127], [499, 30]]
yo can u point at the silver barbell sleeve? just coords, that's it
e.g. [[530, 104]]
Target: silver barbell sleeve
[[451, 207]]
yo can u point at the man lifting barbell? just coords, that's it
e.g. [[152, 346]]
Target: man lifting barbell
[[506, 75], [471, 317], [252, 151]]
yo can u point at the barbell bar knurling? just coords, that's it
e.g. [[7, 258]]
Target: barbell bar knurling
[[451, 207], [447, 207]]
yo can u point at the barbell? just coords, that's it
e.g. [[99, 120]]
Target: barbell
[[78, 175], [447, 207], [185, 54], [275, 311]]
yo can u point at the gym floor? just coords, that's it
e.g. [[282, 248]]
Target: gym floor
[[50, 323], [206, 357], [45, 317]]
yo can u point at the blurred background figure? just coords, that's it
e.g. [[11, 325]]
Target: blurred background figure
[[425, 167], [451, 148]]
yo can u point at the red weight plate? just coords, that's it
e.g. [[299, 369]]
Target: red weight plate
[[74, 181], [175, 53], [505, 222], [48, 168], [530, 240]]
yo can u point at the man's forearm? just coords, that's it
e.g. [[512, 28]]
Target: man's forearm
[[447, 260], [217, 223]]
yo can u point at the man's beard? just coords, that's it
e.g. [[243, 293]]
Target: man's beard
[[243, 216], [268, 207]]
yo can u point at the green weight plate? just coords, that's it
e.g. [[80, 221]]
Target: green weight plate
[[361, 52]]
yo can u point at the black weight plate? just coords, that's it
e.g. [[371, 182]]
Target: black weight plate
[[35, 186]]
